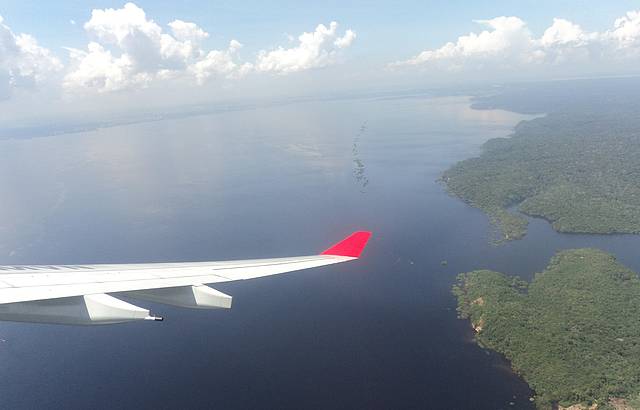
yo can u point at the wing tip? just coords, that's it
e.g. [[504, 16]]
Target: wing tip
[[352, 246]]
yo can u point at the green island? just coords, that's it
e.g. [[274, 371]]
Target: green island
[[580, 171], [573, 333]]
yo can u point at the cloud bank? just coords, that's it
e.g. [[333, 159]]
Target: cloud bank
[[23, 63], [507, 43], [143, 52], [128, 51]]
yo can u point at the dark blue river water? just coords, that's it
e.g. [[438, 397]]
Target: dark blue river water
[[379, 333]]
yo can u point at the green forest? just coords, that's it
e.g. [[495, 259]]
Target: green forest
[[580, 171], [573, 333]]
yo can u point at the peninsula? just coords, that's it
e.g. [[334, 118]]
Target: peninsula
[[573, 333], [578, 170]]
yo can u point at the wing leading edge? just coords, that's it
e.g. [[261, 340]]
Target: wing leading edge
[[89, 294]]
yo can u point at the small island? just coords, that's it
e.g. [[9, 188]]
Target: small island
[[573, 333], [579, 171]]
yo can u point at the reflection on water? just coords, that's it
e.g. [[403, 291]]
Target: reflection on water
[[273, 181]]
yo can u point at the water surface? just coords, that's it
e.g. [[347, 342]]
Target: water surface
[[276, 181]]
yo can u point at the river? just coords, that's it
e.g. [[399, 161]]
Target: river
[[282, 180]]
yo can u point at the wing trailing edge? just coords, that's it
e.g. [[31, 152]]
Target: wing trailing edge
[[88, 294]]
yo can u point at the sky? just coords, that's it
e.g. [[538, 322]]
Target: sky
[[66, 59]]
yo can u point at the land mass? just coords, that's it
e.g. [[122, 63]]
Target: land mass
[[578, 170], [573, 333]]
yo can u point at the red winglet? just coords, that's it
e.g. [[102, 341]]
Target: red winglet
[[350, 246]]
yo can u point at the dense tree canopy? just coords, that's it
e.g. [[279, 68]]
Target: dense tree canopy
[[573, 333], [580, 171]]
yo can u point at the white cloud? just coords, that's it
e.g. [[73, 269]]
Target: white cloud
[[507, 36], [220, 63], [346, 40], [97, 69], [317, 49], [23, 63], [508, 43], [563, 32], [184, 31], [566, 42], [626, 31], [131, 51]]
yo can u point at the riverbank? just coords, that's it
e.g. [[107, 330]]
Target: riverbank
[[572, 333]]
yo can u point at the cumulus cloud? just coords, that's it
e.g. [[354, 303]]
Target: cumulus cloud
[[127, 50], [219, 62], [626, 31], [314, 50], [130, 51], [508, 43], [184, 31], [563, 32], [98, 69], [507, 36], [23, 63]]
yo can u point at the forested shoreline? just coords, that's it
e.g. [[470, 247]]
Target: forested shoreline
[[573, 333], [580, 171]]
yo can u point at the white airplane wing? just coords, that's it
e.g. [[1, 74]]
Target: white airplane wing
[[89, 294]]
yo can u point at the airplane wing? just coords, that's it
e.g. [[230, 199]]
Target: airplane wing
[[89, 294]]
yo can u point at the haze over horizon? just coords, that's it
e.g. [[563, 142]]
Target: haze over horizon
[[64, 61]]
